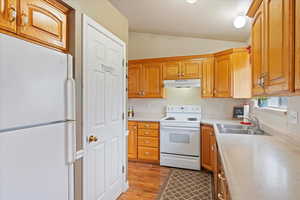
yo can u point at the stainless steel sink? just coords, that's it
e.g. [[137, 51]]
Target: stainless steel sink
[[239, 129]]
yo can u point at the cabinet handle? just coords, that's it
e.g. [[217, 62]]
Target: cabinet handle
[[182, 74], [220, 196], [147, 153], [24, 19], [221, 177], [147, 142], [212, 148], [12, 14], [143, 93]]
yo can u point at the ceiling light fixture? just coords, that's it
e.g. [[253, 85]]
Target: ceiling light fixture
[[191, 1], [240, 21]]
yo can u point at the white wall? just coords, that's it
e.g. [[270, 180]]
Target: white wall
[[144, 45]]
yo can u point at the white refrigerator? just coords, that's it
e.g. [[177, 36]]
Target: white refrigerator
[[37, 122]]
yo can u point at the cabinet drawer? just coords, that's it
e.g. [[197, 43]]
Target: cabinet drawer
[[148, 142], [148, 132], [148, 153], [148, 125], [132, 123]]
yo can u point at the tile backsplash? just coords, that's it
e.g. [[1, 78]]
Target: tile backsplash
[[211, 108], [279, 120]]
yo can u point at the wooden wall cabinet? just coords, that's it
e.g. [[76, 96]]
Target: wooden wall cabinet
[[41, 21], [273, 47], [187, 69], [191, 69], [143, 141], [171, 70], [44, 21], [222, 78], [257, 56], [232, 74], [145, 81], [132, 140], [208, 78], [8, 15], [297, 46], [279, 46]]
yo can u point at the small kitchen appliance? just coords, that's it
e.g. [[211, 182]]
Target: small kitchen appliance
[[180, 137]]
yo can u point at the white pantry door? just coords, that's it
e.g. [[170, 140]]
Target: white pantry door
[[103, 90]]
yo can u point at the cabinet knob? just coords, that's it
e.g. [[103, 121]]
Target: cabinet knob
[[12, 14], [92, 139], [220, 196], [182, 74], [24, 19], [147, 153], [220, 176]]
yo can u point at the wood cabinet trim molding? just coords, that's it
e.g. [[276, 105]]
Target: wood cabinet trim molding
[[253, 8], [297, 47], [170, 59]]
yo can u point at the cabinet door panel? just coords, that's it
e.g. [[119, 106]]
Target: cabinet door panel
[[8, 14], [44, 22], [171, 70], [134, 78], [132, 142], [208, 78], [152, 81], [297, 54], [206, 158], [223, 76], [279, 46], [257, 52], [191, 69]]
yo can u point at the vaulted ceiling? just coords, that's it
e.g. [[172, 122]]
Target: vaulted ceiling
[[206, 19]]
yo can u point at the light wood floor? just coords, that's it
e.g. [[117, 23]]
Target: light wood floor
[[145, 181]]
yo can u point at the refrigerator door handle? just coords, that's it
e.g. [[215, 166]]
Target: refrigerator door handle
[[71, 91], [71, 142]]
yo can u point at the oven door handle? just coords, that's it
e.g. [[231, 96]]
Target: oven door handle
[[180, 128]]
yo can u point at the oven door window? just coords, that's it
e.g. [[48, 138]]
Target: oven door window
[[179, 138], [180, 141]]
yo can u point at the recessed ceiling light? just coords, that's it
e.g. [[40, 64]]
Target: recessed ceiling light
[[191, 1], [239, 22]]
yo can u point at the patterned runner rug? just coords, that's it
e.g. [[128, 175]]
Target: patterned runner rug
[[188, 185]]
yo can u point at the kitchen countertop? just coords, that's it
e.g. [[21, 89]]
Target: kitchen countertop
[[146, 117], [259, 167]]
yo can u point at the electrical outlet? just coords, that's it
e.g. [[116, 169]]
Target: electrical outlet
[[293, 117]]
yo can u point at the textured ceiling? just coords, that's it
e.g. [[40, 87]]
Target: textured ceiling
[[206, 19]]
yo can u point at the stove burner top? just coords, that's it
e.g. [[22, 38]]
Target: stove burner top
[[170, 118], [192, 119]]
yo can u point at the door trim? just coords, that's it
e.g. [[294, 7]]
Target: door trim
[[87, 21]]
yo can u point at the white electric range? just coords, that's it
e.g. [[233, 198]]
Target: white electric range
[[180, 137]]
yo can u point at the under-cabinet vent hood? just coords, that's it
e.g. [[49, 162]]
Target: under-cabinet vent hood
[[188, 83]]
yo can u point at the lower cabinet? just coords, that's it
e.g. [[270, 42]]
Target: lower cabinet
[[211, 161], [222, 186], [132, 140], [143, 141]]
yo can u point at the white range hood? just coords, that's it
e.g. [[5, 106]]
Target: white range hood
[[188, 83]]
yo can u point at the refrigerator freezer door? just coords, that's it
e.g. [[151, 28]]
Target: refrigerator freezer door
[[33, 83], [34, 164]]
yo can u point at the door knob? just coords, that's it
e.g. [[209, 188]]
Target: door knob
[[92, 139]]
